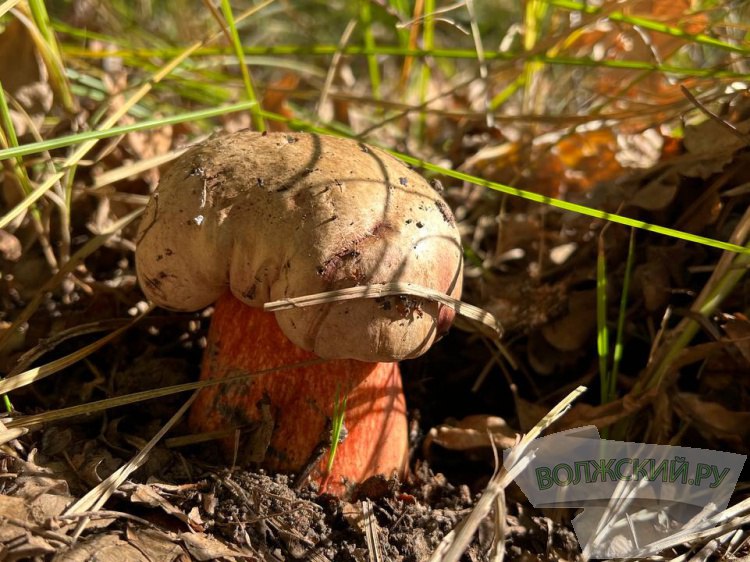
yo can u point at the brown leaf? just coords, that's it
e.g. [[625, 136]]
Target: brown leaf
[[653, 280], [203, 547], [17, 509], [102, 548], [574, 330], [656, 195], [738, 329], [472, 432], [146, 494], [712, 147], [714, 420], [156, 544]]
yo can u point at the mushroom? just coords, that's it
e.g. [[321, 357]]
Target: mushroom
[[248, 218]]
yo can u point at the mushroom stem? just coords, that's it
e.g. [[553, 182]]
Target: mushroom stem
[[287, 413]]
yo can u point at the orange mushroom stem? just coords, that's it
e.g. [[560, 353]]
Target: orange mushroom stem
[[288, 412]]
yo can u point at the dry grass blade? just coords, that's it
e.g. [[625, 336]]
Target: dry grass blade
[[728, 520], [98, 495], [378, 290], [36, 420], [371, 533], [6, 7], [8, 435], [38, 373], [48, 344], [455, 543], [123, 172]]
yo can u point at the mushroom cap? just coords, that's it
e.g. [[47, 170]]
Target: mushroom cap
[[281, 215]]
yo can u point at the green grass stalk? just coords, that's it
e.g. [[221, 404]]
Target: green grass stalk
[[365, 16], [428, 46], [602, 331], [337, 427], [617, 356], [258, 122]]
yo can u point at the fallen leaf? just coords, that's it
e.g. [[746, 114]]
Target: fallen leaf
[[156, 544], [652, 278], [472, 432], [102, 548], [738, 329], [573, 331], [203, 547], [656, 195], [712, 147], [146, 494], [17, 509], [714, 420]]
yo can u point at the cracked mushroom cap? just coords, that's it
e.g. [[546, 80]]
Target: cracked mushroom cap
[[281, 215]]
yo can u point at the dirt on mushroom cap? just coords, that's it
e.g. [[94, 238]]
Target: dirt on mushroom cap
[[282, 215]]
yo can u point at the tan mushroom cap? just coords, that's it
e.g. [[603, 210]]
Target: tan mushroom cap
[[282, 215]]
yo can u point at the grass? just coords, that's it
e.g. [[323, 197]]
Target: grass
[[543, 82], [338, 431]]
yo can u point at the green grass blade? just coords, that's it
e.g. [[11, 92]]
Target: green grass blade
[[617, 357], [365, 16], [337, 425], [435, 53], [11, 140], [49, 49], [51, 144], [602, 332], [29, 200], [428, 45], [645, 23], [69, 140], [258, 121], [573, 207]]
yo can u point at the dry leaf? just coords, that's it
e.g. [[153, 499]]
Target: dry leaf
[[714, 420], [653, 280], [157, 545], [602, 416], [17, 509], [472, 432], [146, 494], [712, 146], [102, 548], [33, 546], [738, 329], [203, 547], [656, 195], [573, 331]]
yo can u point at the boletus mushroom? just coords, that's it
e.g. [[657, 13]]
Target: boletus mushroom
[[248, 218]]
